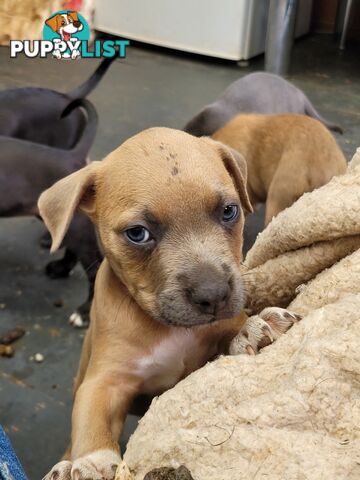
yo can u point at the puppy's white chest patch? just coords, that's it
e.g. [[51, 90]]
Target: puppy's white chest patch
[[166, 364]]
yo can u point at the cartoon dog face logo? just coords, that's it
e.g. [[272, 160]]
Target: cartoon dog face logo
[[65, 25]]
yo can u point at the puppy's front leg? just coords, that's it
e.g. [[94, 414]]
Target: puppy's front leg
[[99, 412]]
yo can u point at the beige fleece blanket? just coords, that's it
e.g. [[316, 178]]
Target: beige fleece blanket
[[321, 228], [293, 411]]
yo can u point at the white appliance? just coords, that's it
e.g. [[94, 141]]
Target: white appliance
[[231, 29]]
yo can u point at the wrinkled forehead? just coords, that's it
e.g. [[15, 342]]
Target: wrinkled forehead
[[163, 170]]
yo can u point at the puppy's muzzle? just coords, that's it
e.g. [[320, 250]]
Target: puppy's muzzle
[[208, 289], [203, 293]]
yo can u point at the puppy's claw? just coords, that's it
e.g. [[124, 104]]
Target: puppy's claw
[[250, 350], [279, 319], [262, 330], [268, 334]]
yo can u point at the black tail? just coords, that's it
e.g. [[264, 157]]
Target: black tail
[[312, 112], [83, 90], [84, 143]]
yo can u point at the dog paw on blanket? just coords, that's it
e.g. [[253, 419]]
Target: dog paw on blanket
[[101, 464], [261, 330]]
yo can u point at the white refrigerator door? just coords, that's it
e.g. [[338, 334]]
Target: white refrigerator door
[[231, 29]]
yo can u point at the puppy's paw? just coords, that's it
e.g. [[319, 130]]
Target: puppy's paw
[[75, 54], [61, 471], [78, 320], [279, 319], [81, 317], [261, 330], [99, 465]]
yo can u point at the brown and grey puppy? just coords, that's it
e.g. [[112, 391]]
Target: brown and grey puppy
[[169, 209], [286, 156]]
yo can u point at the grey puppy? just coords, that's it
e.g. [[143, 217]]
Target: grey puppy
[[35, 114], [27, 169], [258, 92], [43, 137]]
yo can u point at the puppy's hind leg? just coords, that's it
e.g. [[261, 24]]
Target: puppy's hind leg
[[261, 330]]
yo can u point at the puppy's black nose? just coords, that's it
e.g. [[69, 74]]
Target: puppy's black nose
[[208, 289], [77, 24]]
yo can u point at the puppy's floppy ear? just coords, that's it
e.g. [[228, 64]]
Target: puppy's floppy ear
[[236, 165], [73, 16], [52, 22], [58, 203]]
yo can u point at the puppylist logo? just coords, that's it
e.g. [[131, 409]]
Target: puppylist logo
[[66, 30], [66, 35]]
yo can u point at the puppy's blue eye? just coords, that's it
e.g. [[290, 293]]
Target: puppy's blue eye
[[230, 213], [139, 235]]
